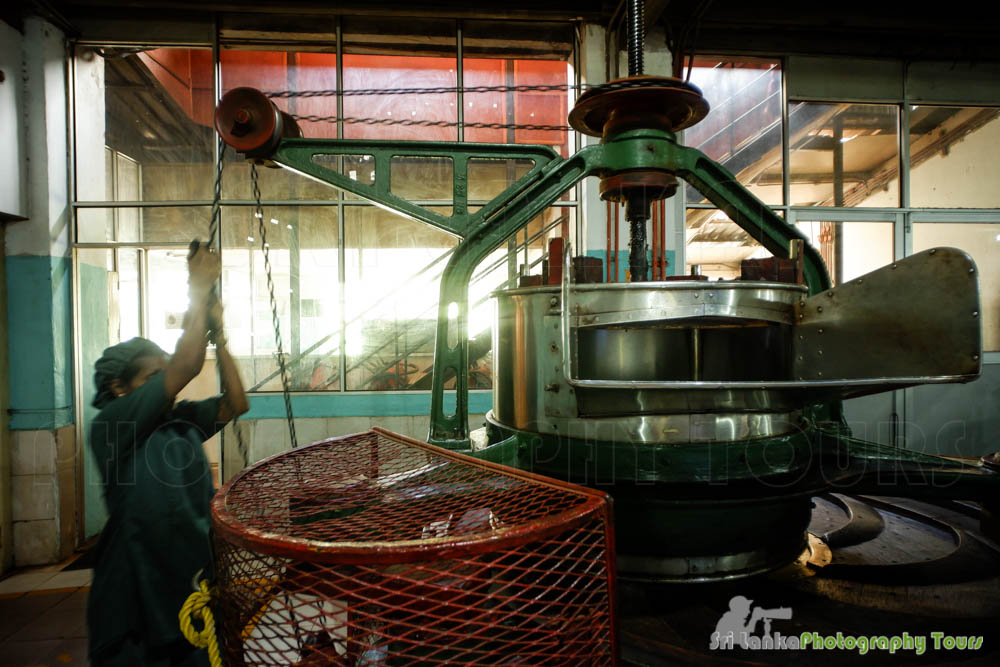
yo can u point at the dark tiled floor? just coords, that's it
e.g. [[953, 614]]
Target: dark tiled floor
[[44, 627]]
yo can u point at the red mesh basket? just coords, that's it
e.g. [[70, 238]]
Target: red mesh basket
[[374, 549]]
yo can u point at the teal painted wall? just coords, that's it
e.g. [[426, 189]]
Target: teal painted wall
[[304, 406], [40, 341], [94, 337]]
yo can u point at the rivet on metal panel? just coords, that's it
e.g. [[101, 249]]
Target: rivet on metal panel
[[711, 295], [553, 301], [830, 294], [819, 373], [802, 303], [894, 266], [801, 337], [933, 250], [819, 309], [819, 330], [801, 316], [975, 313], [971, 271], [975, 357], [800, 356], [860, 280], [819, 352], [696, 295]]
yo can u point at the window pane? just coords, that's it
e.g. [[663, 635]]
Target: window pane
[[743, 129], [280, 71], [844, 154], [363, 72], [302, 243], [982, 242], [168, 296], [153, 110], [541, 107], [716, 245], [863, 246], [953, 157], [393, 269], [153, 224]]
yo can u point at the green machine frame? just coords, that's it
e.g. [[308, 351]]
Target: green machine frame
[[483, 230]]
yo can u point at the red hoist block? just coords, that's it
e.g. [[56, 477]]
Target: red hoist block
[[374, 549]]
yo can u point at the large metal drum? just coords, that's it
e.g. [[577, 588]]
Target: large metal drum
[[675, 460], [647, 332]]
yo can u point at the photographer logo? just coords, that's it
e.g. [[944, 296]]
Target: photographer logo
[[738, 627]]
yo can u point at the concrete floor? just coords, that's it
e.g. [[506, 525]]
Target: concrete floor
[[43, 617]]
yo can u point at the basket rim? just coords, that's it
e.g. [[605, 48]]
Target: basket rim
[[228, 527]]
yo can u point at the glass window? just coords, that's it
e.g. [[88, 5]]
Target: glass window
[[850, 249], [398, 114], [982, 242], [743, 129], [302, 244], [393, 268], [844, 154], [152, 108], [716, 246], [953, 157]]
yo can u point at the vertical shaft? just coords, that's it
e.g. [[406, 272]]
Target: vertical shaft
[[636, 35], [637, 213]]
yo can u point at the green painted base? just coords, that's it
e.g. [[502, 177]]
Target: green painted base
[[705, 512]]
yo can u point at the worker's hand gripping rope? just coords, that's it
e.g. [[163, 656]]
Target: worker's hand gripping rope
[[197, 606]]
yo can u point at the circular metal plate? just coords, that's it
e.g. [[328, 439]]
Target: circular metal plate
[[650, 101]]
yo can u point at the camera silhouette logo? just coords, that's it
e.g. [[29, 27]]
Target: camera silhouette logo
[[738, 626]]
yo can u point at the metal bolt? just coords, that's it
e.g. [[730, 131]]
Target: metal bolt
[[553, 301], [860, 280], [975, 357], [801, 316], [894, 266], [819, 373], [830, 294], [820, 331], [802, 303], [800, 357], [933, 250], [711, 295], [975, 313], [696, 295], [801, 337], [972, 270], [819, 309], [819, 352]]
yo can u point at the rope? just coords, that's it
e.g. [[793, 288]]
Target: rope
[[197, 606]]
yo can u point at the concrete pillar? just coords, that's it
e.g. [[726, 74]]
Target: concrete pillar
[[593, 71], [39, 315]]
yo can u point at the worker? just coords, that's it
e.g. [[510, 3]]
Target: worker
[[157, 482]]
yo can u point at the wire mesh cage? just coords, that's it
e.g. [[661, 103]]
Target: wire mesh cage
[[374, 549]]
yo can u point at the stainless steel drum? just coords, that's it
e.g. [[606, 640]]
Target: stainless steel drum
[[647, 333]]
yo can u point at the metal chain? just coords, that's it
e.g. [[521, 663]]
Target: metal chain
[[215, 241], [440, 90], [431, 123], [282, 366]]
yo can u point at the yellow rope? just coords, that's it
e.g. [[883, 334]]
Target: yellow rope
[[197, 607]]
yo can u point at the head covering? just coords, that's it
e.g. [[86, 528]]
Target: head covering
[[115, 361]]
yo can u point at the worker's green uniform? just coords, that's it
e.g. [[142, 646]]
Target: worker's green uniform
[[158, 486]]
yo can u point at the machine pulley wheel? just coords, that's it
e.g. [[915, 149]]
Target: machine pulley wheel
[[658, 102], [249, 122]]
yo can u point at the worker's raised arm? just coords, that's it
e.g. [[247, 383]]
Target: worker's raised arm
[[203, 272], [234, 399]]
